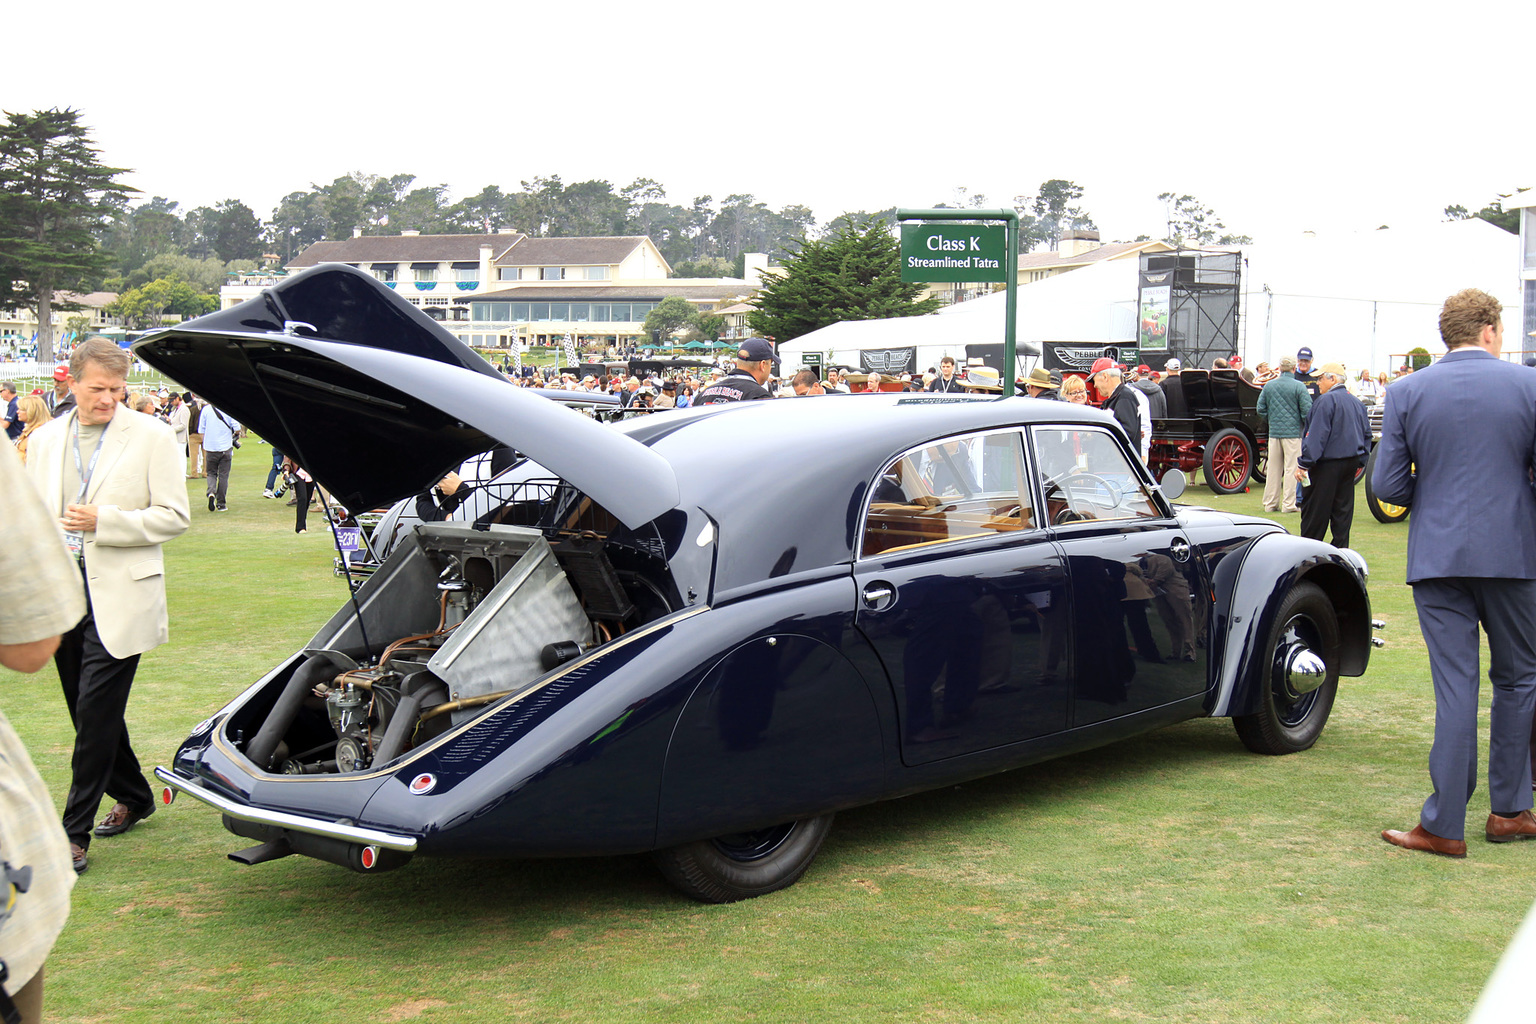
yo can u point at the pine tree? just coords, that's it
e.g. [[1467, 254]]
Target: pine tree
[[852, 275], [53, 193]]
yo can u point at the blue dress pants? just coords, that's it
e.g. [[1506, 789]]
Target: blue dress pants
[[1450, 611]]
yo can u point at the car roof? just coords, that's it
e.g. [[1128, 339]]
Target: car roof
[[785, 479]]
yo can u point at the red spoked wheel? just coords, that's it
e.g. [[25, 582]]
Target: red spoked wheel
[[1228, 461]]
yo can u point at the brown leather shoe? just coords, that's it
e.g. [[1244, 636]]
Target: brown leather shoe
[[77, 856], [120, 819], [1419, 839], [1507, 830]]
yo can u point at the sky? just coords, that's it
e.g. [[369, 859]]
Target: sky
[[1282, 118]]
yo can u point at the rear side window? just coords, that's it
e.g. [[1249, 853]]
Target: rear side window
[[965, 487], [1086, 475]]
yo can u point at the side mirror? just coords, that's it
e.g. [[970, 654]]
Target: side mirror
[[1173, 484]]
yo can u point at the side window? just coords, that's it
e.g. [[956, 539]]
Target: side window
[[965, 487], [1084, 475]]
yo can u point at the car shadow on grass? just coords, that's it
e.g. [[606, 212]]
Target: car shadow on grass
[[530, 896]]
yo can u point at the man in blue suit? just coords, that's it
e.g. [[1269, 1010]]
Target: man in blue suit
[[1471, 417]]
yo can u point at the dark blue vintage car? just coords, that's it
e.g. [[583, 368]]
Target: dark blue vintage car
[[701, 633]]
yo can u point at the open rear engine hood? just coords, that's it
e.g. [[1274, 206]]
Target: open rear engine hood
[[377, 401]]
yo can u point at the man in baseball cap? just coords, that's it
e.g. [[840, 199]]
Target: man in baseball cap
[[755, 363], [1123, 403], [1304, 372], [61, 400]]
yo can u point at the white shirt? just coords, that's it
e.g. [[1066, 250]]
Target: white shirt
[[1145, 408], [218, 430]]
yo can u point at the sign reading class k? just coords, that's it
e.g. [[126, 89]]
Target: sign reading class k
[[953, 252]]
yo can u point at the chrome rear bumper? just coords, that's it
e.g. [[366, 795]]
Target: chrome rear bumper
[[283, 819]]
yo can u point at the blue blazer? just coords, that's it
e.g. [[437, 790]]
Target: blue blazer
[[1458, 444]]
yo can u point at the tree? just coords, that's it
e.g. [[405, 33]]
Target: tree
[[138, 234], [1044, 216], [1191, 222], [643, 203], [670, 315], [1494, 213], [859, 220], [54, 194], [709, 266], [854, 275], [421, 209], [298, 222], [204, 275], [77, 326], [480, 214], [237, 232], [146, 307]]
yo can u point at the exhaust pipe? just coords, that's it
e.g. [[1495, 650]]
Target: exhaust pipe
[[279, 842]]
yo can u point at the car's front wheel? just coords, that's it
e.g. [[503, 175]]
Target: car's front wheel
[[741, 865], [1301, 677]]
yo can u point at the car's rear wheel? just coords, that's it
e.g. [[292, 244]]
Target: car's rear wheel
[[1299, 690], [741, 865], [1383, 511], [1228, 461]]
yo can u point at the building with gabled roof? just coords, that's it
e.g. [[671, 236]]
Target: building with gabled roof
[[494, 289], [1079, 249], [19, 327], [408, 246]]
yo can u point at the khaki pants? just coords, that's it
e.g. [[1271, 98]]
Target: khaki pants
[[195, 467], [29, 1000], [1280, 474]]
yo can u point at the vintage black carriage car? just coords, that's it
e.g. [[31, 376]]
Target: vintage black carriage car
[[1213, 425], [707, 631]]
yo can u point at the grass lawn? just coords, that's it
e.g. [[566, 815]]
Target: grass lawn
[[1174, 877]]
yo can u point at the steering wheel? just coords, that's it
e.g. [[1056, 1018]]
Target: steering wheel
[[1078, 488]]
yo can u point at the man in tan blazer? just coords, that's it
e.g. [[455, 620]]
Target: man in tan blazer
[[113, 478]]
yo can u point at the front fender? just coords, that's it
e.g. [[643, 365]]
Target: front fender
[[1248, 592]]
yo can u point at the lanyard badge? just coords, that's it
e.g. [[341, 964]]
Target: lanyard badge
[[74, 539]]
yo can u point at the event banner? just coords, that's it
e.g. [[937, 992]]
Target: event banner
[[1070, 356], [888, 360], [1154, 317]]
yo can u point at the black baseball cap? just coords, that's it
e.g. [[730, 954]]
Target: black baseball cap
[[1305, 353], [755, 350]]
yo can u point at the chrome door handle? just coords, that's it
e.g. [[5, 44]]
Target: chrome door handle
[[876, 594]]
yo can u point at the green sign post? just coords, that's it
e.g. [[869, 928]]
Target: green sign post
[[953, 252]]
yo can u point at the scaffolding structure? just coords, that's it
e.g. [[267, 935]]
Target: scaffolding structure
[[1189, 301]]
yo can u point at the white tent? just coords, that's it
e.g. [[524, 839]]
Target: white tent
[[1365, 299], [1362, 299], [1095, 304]]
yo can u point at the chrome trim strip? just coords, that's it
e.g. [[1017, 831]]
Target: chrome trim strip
[[282, 819]]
